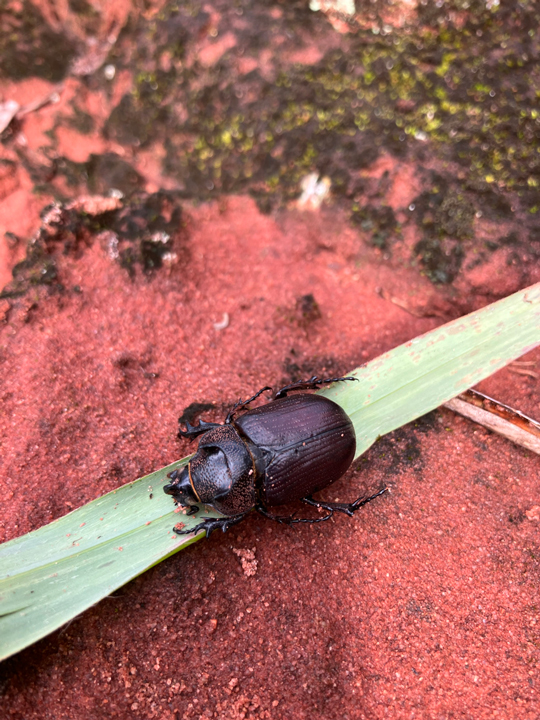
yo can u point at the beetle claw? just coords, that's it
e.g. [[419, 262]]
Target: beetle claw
[[347, 508], [242, 404]]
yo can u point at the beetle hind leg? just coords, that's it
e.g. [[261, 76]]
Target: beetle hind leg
[[211, 524], [314, 383], [290, 519], [347, 508]]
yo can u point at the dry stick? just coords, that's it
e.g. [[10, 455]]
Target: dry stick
[[497, 417]]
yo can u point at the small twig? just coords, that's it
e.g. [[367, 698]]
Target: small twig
[[8, 110], [523, 371], [497, 417], [421, 312], [11, 109], [381, 292], [522, 367], [49, 99]]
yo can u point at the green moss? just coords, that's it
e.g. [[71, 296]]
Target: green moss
[[135, 119], [378, 222], [38, 268], [455, 216], [440, 260], [109, 171]]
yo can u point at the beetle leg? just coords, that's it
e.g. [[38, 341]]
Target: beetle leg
[[211, 524], [313, 383], [241, 404], [290, 519], [193, 431], [347, 508]]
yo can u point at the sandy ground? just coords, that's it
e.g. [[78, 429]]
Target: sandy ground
[[425, 605]]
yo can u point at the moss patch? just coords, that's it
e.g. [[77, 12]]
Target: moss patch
[[458, 90], [469, 90]]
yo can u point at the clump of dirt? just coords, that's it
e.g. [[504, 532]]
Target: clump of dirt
[[29, 47]]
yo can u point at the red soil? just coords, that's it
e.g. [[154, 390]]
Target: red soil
[[424, 605]]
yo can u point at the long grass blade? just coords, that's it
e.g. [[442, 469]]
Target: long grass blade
[[51, 575], [422, 374]]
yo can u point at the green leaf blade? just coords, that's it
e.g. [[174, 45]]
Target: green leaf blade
[[422, 374], [51, 575]]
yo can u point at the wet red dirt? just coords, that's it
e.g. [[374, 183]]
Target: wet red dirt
[[425, 605], [422, 606]]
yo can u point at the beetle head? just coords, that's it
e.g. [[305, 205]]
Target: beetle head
[[180, 487], [222, 474]]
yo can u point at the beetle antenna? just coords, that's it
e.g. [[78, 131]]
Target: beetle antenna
[[241, 405], [314, 383]]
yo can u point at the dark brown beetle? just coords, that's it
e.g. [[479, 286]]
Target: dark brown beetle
[[274, 454]]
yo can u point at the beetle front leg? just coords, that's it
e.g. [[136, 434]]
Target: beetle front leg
[[313, 383], [347, 508], [193, 431], [211, 524]]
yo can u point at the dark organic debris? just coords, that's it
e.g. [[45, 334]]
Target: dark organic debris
[[193, 410], [307, 309], [143, 231]]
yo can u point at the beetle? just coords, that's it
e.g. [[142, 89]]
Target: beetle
[[274, 454]]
